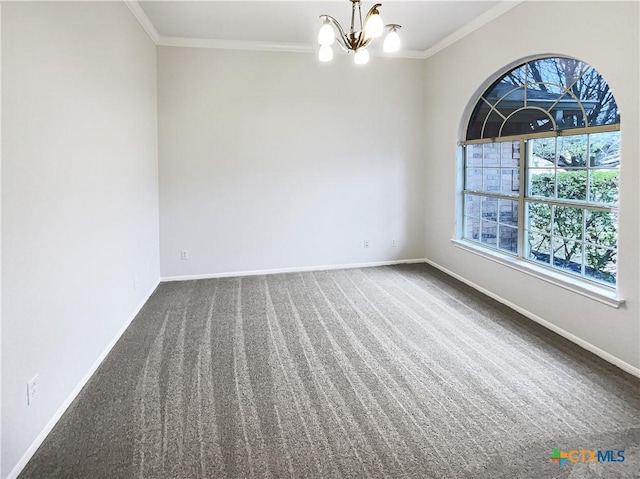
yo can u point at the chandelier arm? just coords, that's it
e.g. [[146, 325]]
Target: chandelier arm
[[343, 44], [361, 42], [342, 39], [370, 12], [365, 42]]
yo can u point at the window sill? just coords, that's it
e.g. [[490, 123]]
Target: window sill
[[601, 294]]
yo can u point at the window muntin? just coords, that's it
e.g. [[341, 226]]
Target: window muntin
[[537, 194], [492, 181], [570, 219], [549, 94]]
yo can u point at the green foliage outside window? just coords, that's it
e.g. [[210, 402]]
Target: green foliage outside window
[[566, 223], [603, 187]]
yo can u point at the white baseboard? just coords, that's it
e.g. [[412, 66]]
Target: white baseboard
[[26, 457], [547, 324], [299, 269]]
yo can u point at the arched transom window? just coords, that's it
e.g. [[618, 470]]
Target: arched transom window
[[541, 169]]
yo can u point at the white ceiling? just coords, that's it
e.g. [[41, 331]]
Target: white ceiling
[[294, 24]]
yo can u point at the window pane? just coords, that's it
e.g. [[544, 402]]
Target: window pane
[[491, 154], [604, 149], [474, 155], [601, 264], [567, 113], [472, 205], [602, 228], [560, 71], [572, 151], [489, 208], [539, 217], [543, 153], [529, 120], [508, 212], [567, 255], [472, 229], [507, 98], [516, 76], [473, 179], [603, 186], [491, 129], [508, 239], [567, 222], [539, 247], [544, 93], [480, 112], [542, 183], [491, 179], [572, 185], [489, 233], [510, 154], [597, 99], [510, 181]]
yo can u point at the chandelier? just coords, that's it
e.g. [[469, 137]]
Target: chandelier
[[357, 41]]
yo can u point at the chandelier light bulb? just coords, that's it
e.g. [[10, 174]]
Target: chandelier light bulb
[[361, 57], [325, 54], [326, 35], [391, 42], [374, 26]]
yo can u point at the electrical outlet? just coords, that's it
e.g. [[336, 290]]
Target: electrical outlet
[[394, 243], [184, 254], [366, 243], [32, 390]]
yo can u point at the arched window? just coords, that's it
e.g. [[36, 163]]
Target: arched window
[[541, 169]]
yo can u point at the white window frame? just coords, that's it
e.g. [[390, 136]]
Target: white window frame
[[602, 292]]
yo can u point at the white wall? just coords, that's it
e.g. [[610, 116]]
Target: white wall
[[79, 198], [273, 160], [0, 244], [603, 34]]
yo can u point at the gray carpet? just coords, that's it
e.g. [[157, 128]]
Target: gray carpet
[[381, 372]]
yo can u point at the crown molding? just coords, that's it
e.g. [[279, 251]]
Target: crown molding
[[234, 45], [494, 12], [266, 47], [140, 15], [143, 19]]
